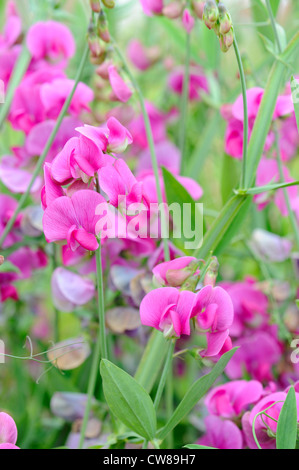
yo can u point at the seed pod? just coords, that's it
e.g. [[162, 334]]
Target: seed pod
[[210, 14]]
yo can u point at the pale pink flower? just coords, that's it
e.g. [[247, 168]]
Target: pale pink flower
[[8, 432], [70, 290], [120, 88]]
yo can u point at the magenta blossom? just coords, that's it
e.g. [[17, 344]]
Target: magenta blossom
[[7, 207], [174, 273], [8, 432], [50, 40], [151, 7], [139, 55], [188, 21], [221, 434], [198, 82], [231, 399], [70, 290], [120, 88], [73, 220], [265, 428], [168, 310]]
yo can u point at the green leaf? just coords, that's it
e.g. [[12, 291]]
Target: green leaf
[[295, 96], [195, 393], [287, 423], [269, 187], [151, 361], [128, 400], [187, 226], [297, 303], [8, 267], [196, 446]]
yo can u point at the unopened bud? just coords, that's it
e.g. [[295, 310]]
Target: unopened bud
[[103, 29], [1, 260], [212, 272], [210, 13], [109, 3], [95, 6], [176, 277], [224, 19], [226, 40], [102, 70], [173, 10], [198, 8]]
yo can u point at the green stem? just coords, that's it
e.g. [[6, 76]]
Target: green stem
[[291, 214], [18, 73], [169, 407], [184, 103], [245, 112], [49, 143], [100, 347], [151, 145], [164, 375]]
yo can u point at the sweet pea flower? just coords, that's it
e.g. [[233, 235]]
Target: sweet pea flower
[[120, 88], [269, 246], [168, 310], [141, 57], [12, 32], [8, 206], [17, 180], [250, 306], [174, 273], [188, 21], [265, 428], [256, 355], [152, 7], [197, 82], [221, 434], [120, 185], [73, 220], [231, 399], [8, 432], [52, 41], [214, 313], [54, 94], [70, 290]]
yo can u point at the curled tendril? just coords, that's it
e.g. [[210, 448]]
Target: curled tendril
[[260, 414]]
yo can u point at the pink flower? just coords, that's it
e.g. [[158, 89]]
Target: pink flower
[[54, 94], [263, 423], [197, 82], [8, 432], [231, 399], [151, 7], [214, 313], [256, 355], [221, 434], [50, 40], [120, 88], [167, 310], [118, 136], [17, 180], [7, 207], [250, 306], [138, 55], [70, 290], [173, 273], [73, 220], [188, 21]]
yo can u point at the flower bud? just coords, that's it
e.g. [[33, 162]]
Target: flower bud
[[198, 8], [226, 40], [173, 10], [210, 14], [212, 272], [103, 31], [224, 19], [95, 6], [109, 3]]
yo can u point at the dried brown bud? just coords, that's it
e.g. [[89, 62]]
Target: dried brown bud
[[1, 260]]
